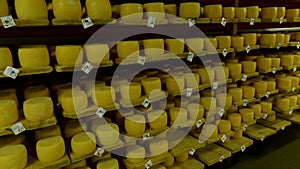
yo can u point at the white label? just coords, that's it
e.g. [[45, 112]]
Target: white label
[[223, 22], [245, 127], [278, 45], [146, 103], [221, 112], [215, 85], [199, 123], [8, 21], [190, 56], [189, 92], [141, 60], [87, 22], [281, 20], [224, 52], [192, 151], [244, 78], [265, 116], [274, 70], [191, 22], [100, 112], [294, 69], [243, 148], [87, 67], [291, 111], [262, 138], [248, 48], [221, 158], [18, 128], [148, 164], [293, 89], [146, 136], [151, 21], [283, 128], [223, 139], [268, 94], [252, 20], [99, 152], [11, 72], [245, 102], [298, 45]]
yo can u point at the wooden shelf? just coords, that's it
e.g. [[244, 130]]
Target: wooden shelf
[[236, 145]]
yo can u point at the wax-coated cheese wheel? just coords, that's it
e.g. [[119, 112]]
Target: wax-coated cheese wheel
[[158, 147], [192, 80], [297, 60], [5, 54], [73, 128], [131, 91], [108, 133], [8, 112], [50, 149], [293, 101], [108, 163], [157, 119], [291, 13], [98, 9], [284, 83], [269, 12], [235, 69], [69, 55], [287, 38], [128, 49], [213, 11], [36, 56], [240, 12], [74, 101], [169, 162], [271, 85], [207, 75], [224, 42], [224, 126], [267, 39], [252, 12], [4, 11], [295, 80], [31, 9], [261, 87], [287, 60], [297, 36], [298, 99], [135, 125], [67, 9], [47, 132], [266, 107], [175, 46], [247, 114], [195, 44], [275, 62], [171, 10], [280, 12], [83, 143], [36, 91], [182, 158], [249, 38], [155, 9], [210, 44], [279, 38], [271, 117], [235, 119], [237, 94], [153, 47], [195, 111], [264, 63], [228, 12], [248, 92], [175, 84], [189, 10], [11, 139], [224, 100], [151, 84], [209, 103], [249, 66], [209, 130], [105, 95], [238, 134], [257, 108], [177, 115], [237, 42], [282, 103], [95, 53], [135, 154], [131, 11], [38, 108], [221, 73], [13, 156]]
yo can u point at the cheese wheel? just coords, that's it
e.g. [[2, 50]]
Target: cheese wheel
[[209, 103], [297, 60], [240, 12], [73, 128], [195, 44], [271, 117], [155, 9], [74, 101], [224, 42], [248, 92], [70, 9], [207, 75], [171, 10], [261, 87], [224, 126], [177, 115], [210, 44], [31, 9], [264, 63], [11, 140], [8, 112], [153, 47], [175, 46], [280, 12], [5, 54], [224, 100], [237, 94], [293, 101], [96, 53], [36, 56], [248, 66], [169, 162], [131, 11], [36, 91], [266, 107], [287, 38], [157, 119], [131, 91], [189, 10], [284, 83], [135, 154], [295, 80], [135, 125], [169, 105], [238, 134], [252, 12], [249, 38], [107, 134], [271, 85], [213, 11], [283, 103], [77, 165], [195, 111], [298, 99], [97, 9], [128, 49], [235, 119], [38, 108], [83, 143], [247, 114], [269, 12], [4, 11], [192, 80], [237, 42], [108, 163], [221, 73], [275, 62], [280, 38], [13, 156], [50, 149], [106, 92], [182, 157], [207, 93], [175, 84], [291, 13], [69, 55], [287, 60], [47, 132], [151, 84], [297, 36], [228, 12], [235, 69], [209, 130], [158, 147], [267, 39]]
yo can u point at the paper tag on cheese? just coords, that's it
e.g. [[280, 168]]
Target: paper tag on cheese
[[87, 67], [245, 102], [221, 112], [190, 56], [146, 103], [224, 52], [243, 148], [252, 20], [294, 69], [191, 22], [141, 60], [223, 139], [199, 123], [221, 159], [189, 92], [245, 127], [8, 21], [291, 111], [146, 136], [148, 164], [100, 112], [248, 48], [223, 22], [281, 20], [244, 78], [283, 128], [268, 94], [265, 116], [99, 152], [278, 46], [215, 85], [274, 70], [293, 89], [87, 22], [298, 45], [151, 21], [11, 72], [18, 128], [262, 138], [192, 151]]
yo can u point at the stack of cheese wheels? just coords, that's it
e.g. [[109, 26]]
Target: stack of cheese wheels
[[252, 12], [83, 143], [70, 129], [29, 9], [151, 84], [297, 60], [261, 87], [189, 10], [171, 11], [158, 147], [275, 62], [210, 44], [293, 101], [280, 38], [33, 56], [224, 42], [13, 156], [291, 13], [287, 60], [182, 157], [195, 111], [264, 63], [175, 46], [107, 134], [213, 11], [175, 84], [237, 41], [235, 119], [135, 125], [153, 47], [235, 69], [135, 154], [36, 91], [280, 12], [269, 12], [111, 163], [4, 8], [69, 55], [11, 140], [247, 114], [169, 162], [106, 92], [157, 119], [209, 103], [67, 9], [131, 11], [228, 12], [8, 112], [50, 149], [257, 108], [282, 103], [271, 85], [221, 73], [224, 126], [266, 107], [267, 39], [295, 81], [5, 57], [207, 75], [177, 115], [128, 49], [284, 83], [38, 108], [155, 9], [248, 66], [74, 101], [209, 130], [249, 38], [237, 94], [224, 100], [195, 44], [192, 80], [240, 12], [98, 9], [248, 92], [47, 132], [97, 53]]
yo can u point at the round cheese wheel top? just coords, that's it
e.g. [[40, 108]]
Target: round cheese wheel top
[[224, 126], [36, 91], [235, 119], [38, 108], [83, 143], [98, 9], [267, 39], [8, 112], [170, 10], [70, 9], [95, 53], [4, 8], [131, 91], [189, 10], [128, 49], [213, 11], [182, 158], [50, 149], [135, 154], [280, 12], [155, 9], [13, 156], [131, 11], [33, 56], [31, 9], [240, 12], [69, 55], [252, 12], [151, 84], [291, 13], [153, 47], [109, 163], [269, 12], [228, 12]]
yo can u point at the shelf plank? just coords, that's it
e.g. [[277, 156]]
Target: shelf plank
[[186, 145], [60, 68], [235, 145], [30, 71], [277, 125], [259, 132]]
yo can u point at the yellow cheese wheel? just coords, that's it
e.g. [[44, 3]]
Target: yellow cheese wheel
[[38, 108], [170, 10], [182, 157], [280, 38], [267, 39], [131, 11], [175, 84], [135, 125], [131, 91], [213, 11], [106, 92], [237, 94], [283, 103], [158, 147], [155, 9], [248, 92], [192, 80], [135, 154], [228, 12], [249, 38], [240, 12], [237, 42], [108, 133], [31, 9], [271, 117], [4, 8], [195, 44], [209, 103], [153, 47], [235, 69], [151, 84], [266, 107], [11, 139], [284, 83], [257, 108], [98, 9], [293, 101], [269, 12], [13, 156], [209, 130], [291, 13], [235, 119], [76, 165], [297, 60], [189, 10], [47, 132], [297, 36], [73, 128], [177, 115], [275, 62], [207, 93], [238, 134], [128, 49], [83, 143], [221, 73], [224, 42], [224, 100], [95, 53], [295, 80], [298, 99], [287, 60], [247, 114], [36, 91], [108, 163], [264, 63], [50, 149], [181, 102], [69, 55], [261, 87], [157, 119], [287, 38], [280, 12], [207, 75], [252, 12], [5, 54], [169, 162], [175, 46], [210, 44], [159, 167], [67, 9], [37, 56], [96, 122], [271, 85], [8, 112], [224, 126], [249, 66], [139, 77], [195, 111], [74, 101]]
